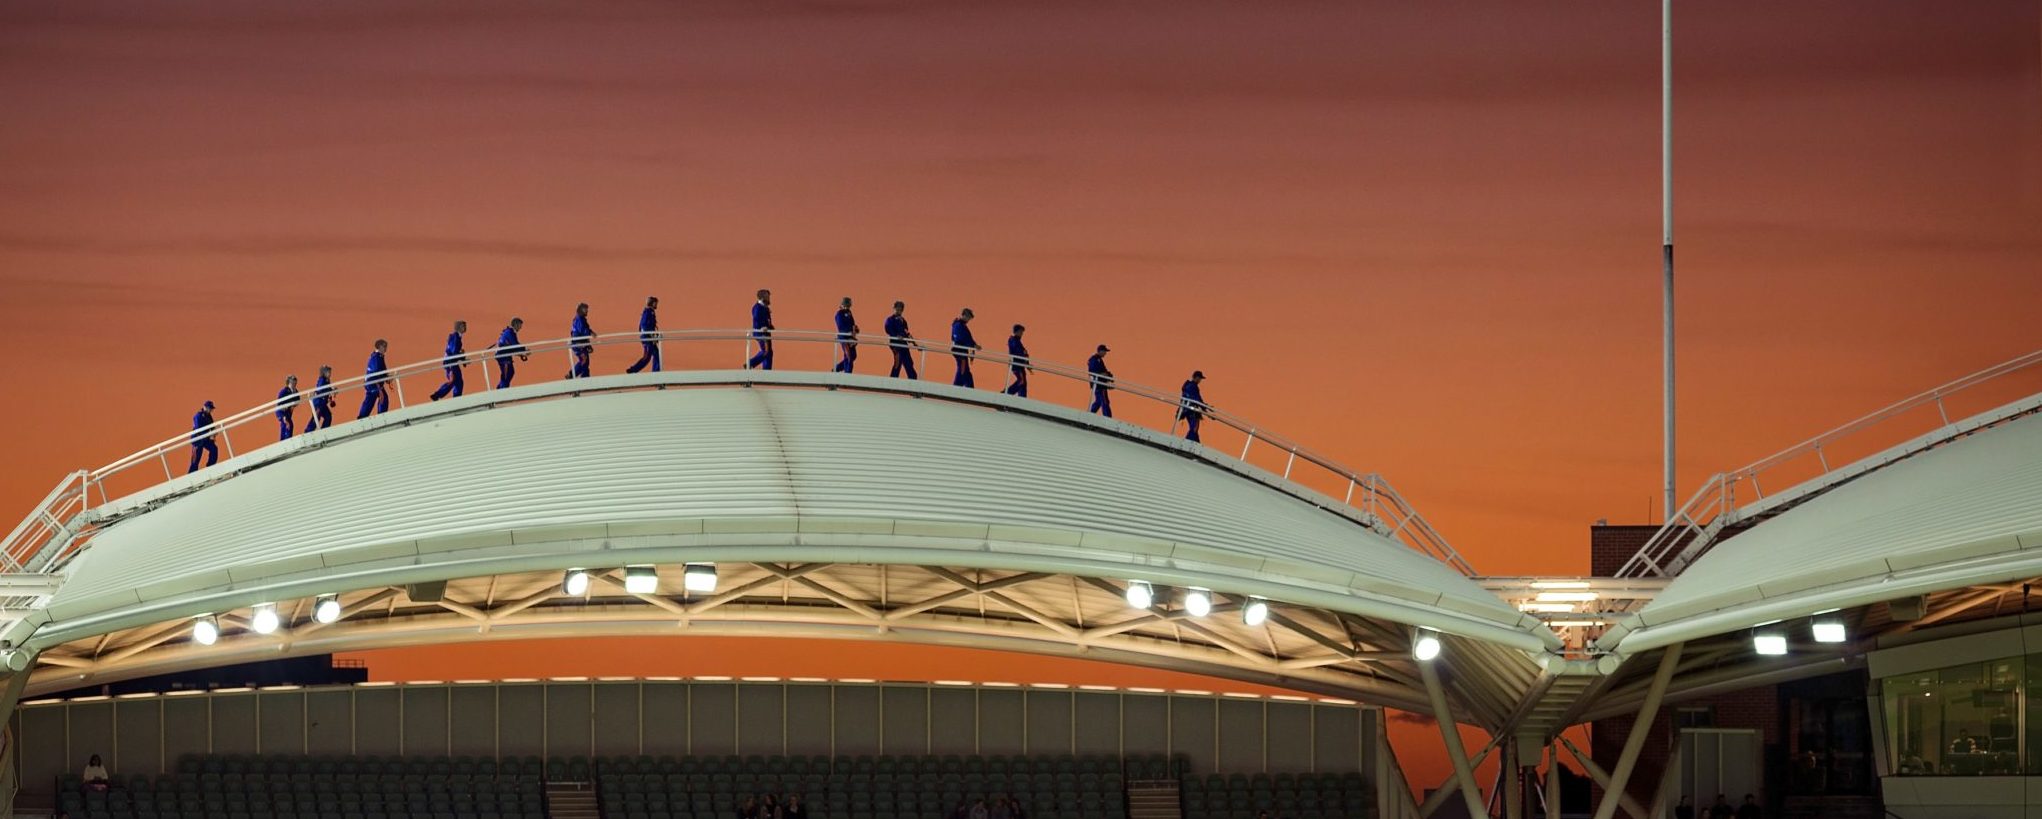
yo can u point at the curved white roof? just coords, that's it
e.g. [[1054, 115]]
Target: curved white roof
[[728, 473], [1969, 512]]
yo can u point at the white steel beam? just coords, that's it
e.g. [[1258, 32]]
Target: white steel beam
[[1449, 730], [1601, 779], [1634, 742], [1452, 784]]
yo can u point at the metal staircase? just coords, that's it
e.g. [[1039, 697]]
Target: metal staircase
[[1153, 799], [571, 800]]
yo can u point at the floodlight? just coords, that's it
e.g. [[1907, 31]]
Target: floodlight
[[1830, 630], [699, 577], [205, 630], [1140, 594], [641, 579], [1426, 647], [1769, 643], [1256, 613], [265, 620], [1198, 602], [575, 583], [327, 608]]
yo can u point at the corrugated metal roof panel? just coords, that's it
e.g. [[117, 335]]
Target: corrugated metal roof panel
[[1943, 519], [746, 468]]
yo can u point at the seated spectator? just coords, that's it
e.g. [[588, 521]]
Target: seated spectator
[[95, 774], [748, 810], [978, 810], [1014, 809], [962, 811], [1000, 809], [769, 808], [794, 809]]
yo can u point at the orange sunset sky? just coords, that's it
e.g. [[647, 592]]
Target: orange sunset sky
[[1420, 237]]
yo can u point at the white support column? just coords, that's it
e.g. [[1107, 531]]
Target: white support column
[[1640, 727], [1394, 799], [1452, 785], [16, 683], [1449, 731], [1669, 784], [1553, 780], [1513, 781], [1601, 778]]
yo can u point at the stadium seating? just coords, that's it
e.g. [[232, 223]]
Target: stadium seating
[[1284, 796], [697, 787], [319, 787], [871, 787]]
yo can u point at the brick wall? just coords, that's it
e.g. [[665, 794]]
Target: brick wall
[[1610, 546]]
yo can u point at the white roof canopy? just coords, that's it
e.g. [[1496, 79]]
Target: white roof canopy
[[724, 473], [1966, 513]]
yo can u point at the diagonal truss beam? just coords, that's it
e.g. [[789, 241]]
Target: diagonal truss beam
[[966, 588], [827, 593]]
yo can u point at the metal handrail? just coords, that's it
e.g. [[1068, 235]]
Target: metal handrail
[[1690, 530], [66, 507]]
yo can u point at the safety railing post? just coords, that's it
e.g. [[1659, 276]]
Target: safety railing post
[[399, 386], [228, 440], [1250, 442], [1292, 461], [488, 381], [165, 460], [1822, 458], [1349, 500], [1941, 411]]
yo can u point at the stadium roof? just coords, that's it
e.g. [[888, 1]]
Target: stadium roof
[[768, 475], [1962, 514]]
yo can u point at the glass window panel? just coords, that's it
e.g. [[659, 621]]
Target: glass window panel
[[1913, 723], [1958, 721]]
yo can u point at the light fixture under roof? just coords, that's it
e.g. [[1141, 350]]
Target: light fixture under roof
[[205, 630], [699, 577], [264, 619], [1829, 628], [1770, 641], [1425, 647], [575, 582], [1255, 613], [1566, 596], [641, 579], [1140, 594], [326, 609], [1197, 602]]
